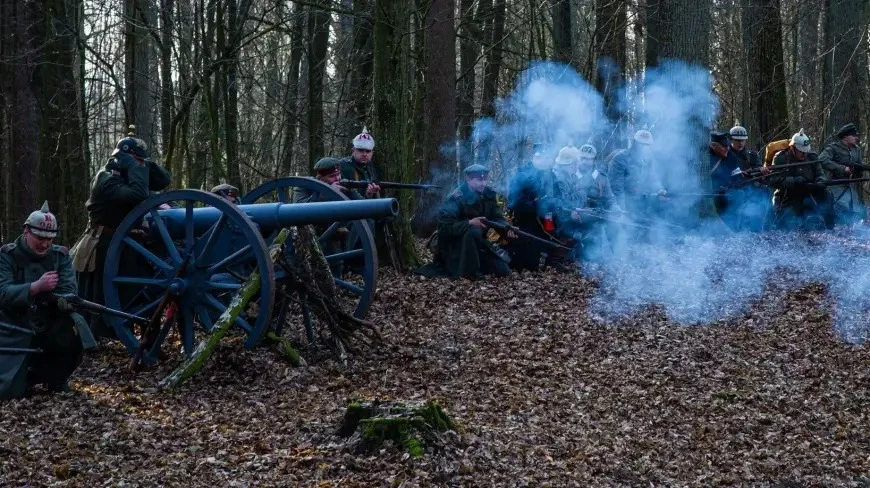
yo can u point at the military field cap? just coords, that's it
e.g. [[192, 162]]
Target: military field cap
[[847, 130], [476, 169], [719, 136], [327, 164], [224, 187]]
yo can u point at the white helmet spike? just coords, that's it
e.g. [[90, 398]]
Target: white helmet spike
[[364, 140], [42, 222]]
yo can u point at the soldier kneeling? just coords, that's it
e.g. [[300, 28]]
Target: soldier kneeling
[[463, 249], [39, 333]]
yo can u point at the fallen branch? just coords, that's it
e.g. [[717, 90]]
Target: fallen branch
[[309, 275], [204, 349]]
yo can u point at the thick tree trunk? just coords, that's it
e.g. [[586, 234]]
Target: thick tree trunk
[[766, 72], [20, 150], [138, 20], [680, 29], [845, 69], [359, 109], [469, 50], [610, 47], [391, 115], [440, 106], [563, 44]]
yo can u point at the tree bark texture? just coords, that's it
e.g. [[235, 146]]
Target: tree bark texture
[[768, 114]]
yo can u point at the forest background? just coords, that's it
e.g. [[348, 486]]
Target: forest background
[[243, 91]]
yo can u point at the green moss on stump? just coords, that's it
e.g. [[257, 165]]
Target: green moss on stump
[[410, 425]]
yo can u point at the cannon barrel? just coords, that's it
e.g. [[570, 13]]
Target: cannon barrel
[[276, 215]]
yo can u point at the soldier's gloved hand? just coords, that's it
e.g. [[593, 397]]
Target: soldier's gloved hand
[[63, 305], [46, 282]]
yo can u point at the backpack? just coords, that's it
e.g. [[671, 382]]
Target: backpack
[[772, 148]]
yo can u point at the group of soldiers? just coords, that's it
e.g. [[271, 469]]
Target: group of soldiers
[[561, 209], [42, 336], [588, 204]]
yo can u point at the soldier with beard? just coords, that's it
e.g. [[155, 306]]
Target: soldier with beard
[[41, 338], [358, 166]]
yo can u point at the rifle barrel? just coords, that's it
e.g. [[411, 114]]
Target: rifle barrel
[[518, 231], [386, 185], [15, 328]]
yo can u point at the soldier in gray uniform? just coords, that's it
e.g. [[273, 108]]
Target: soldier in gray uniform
[[850, 201], [40, 335]]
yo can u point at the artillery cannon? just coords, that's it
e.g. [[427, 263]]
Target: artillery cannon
[[194, 249]]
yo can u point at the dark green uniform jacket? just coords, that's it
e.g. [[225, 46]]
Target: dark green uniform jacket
[[351, 169], [794, 181], [462, 248], [19, 267], [832, 158], [123, 184]]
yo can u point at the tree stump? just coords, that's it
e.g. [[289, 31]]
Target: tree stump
[[410, 425]]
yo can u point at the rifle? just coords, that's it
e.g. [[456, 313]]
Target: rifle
[[756, 171], [385, 185], [503, 227], [844, 181], [82, 304], [597, 213]]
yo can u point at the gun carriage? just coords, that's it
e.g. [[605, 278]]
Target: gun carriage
[[186, 253]]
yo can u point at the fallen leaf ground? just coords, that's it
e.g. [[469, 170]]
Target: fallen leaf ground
[[544, 395]]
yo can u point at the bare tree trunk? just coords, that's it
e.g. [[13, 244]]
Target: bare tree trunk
[[766, 72], [440, 102], [291, 106], [610, 45], [492, 72], [318, 43], [138, 19], [167, 101], [231, 94], [468, 52], [391, 103], [563, 44], [20, 138], [845, 62], [362, 55]]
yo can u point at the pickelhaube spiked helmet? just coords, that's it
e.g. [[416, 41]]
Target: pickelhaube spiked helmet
[[42, 222]]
